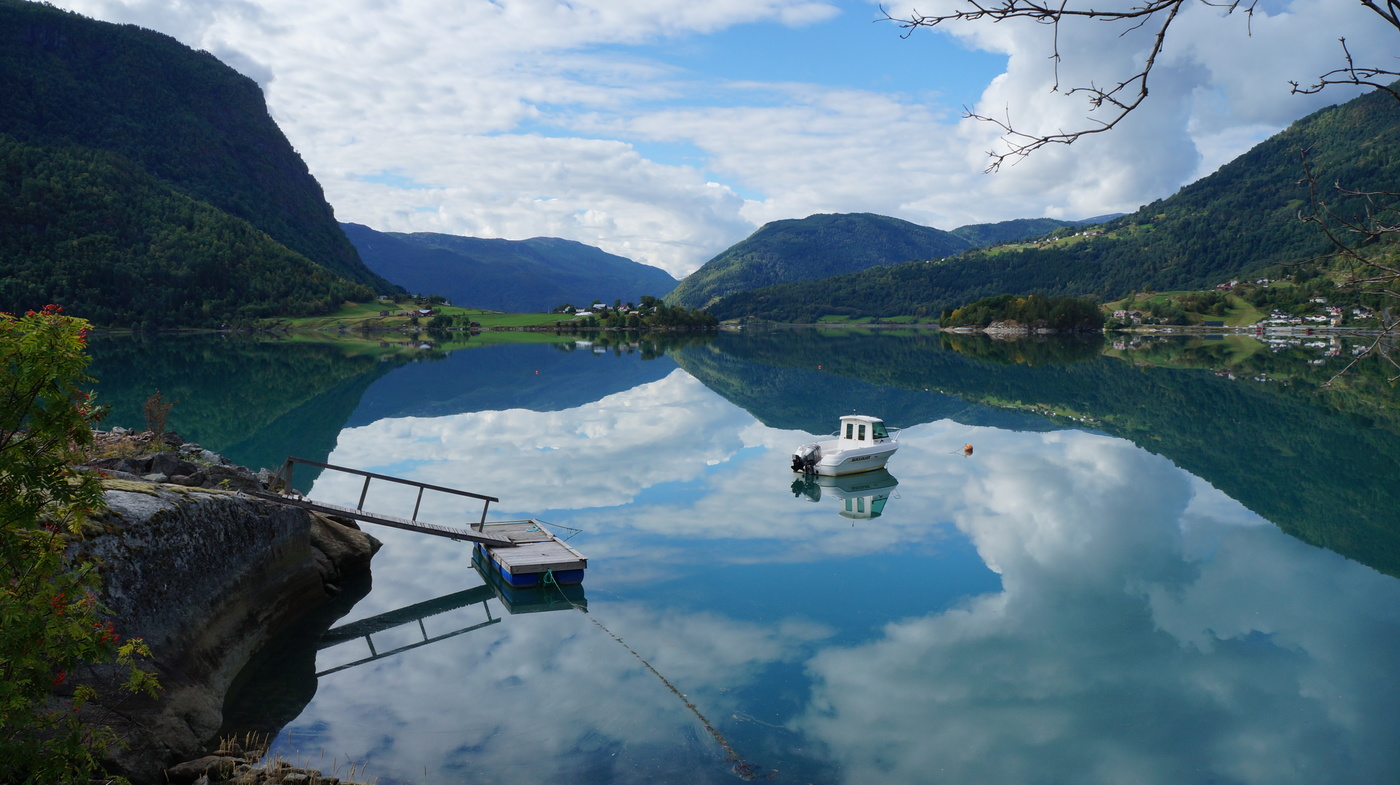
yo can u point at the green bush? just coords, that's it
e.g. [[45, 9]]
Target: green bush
[[52, 627]]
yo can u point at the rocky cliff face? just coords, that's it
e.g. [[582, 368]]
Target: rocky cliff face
[[206, 576]]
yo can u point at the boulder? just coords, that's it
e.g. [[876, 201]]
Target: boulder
[[206, 577], [171, 464], [219, 766]]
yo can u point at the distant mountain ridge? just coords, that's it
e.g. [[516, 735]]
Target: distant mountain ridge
[[824, 245], [140, 176], [817, 246], [1018, 229], [1235, 223], [522, 276]]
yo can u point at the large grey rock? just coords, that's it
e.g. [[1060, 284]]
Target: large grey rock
[[205, 577], [171, 464], [229, 478], [190, 771]]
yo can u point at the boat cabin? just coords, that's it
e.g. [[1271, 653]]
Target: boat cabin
[[862, 429]]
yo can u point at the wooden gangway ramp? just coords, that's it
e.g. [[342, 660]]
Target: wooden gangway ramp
[[282, 491]]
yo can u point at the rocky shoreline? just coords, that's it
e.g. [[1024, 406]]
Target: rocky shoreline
[[207, 575]]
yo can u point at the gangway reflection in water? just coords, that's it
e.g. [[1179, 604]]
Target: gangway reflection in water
[[514, 601], [861, 496]]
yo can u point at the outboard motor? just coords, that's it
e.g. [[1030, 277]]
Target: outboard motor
[[804, 458]]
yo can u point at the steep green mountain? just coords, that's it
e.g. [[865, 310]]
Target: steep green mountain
[[105, 126], [809, 248], [506, 275], [100, 236], [1235, 223]]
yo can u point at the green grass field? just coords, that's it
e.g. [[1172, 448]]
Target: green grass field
[[354, 316], [1238, 313]]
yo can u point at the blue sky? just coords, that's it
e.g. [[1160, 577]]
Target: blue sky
[[667, 130]]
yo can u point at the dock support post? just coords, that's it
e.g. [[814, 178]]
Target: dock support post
[[284, 478], [414, 516], [363, 491]]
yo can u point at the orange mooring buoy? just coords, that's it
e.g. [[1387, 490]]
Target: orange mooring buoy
[[967, 449]]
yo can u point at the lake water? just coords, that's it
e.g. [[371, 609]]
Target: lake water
[[1125, 582]]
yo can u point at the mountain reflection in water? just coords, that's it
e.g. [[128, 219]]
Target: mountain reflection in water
[[1086, 599]]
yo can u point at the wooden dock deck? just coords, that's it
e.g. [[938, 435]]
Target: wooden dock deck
[[534, 549]]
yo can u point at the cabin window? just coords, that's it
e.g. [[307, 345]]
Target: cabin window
[[861, 431], [877, 431], [850, 431]]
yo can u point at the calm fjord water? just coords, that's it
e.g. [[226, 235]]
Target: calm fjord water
[[1122, 584]]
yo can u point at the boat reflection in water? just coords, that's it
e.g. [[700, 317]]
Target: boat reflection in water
[[861, 496]]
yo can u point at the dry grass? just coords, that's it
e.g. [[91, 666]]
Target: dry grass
[[122, 445], [258, 769]]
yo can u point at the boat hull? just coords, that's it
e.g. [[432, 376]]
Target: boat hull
[[826, 459], [841, 465]]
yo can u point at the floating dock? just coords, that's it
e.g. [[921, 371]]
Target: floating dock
[[534, 554], [528, 599], [523, 553]]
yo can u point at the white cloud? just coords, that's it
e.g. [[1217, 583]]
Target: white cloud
[[1120, 649], [525, 118], [1146, 628]]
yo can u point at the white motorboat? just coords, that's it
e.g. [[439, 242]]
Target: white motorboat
[[862, 444]]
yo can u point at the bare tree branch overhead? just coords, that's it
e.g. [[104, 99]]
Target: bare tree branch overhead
[[1119, 98], [1364, 245], [1351, 74]]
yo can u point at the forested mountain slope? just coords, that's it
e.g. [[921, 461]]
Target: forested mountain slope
[[809, 248], [104, 125], [100, 236], [1237, 222], [532, 275], [1015, 230]]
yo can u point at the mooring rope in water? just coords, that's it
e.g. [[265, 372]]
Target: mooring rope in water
[[744, 769]]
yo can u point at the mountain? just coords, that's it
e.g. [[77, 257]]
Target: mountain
[[1235, 223], [809, 248], [532, 275], [140, 176], [1018, 229]]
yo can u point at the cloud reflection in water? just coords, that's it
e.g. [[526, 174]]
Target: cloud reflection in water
[[1146, 627]]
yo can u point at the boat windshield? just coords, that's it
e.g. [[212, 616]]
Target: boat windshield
[[877, 430]]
